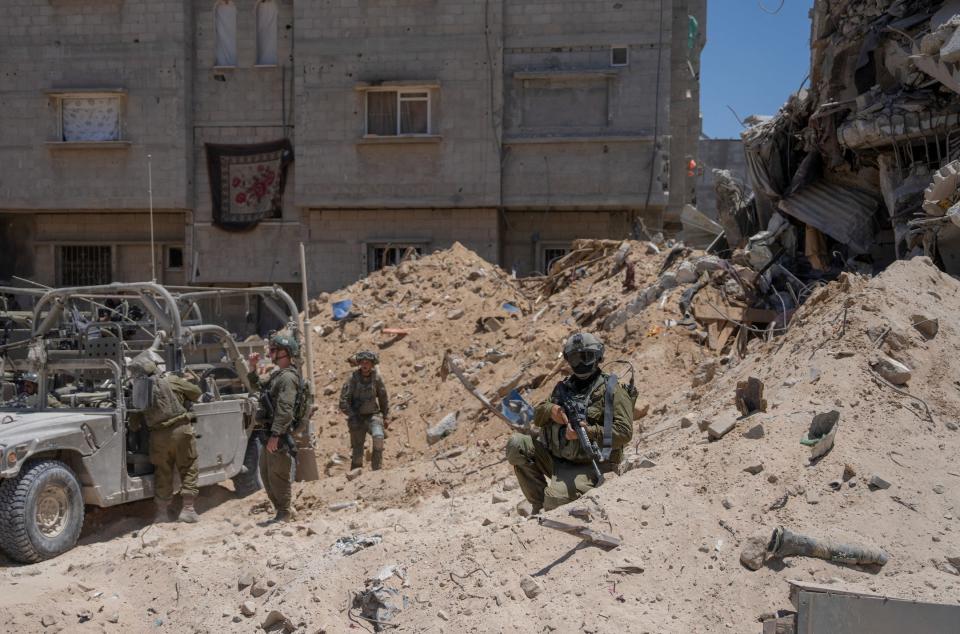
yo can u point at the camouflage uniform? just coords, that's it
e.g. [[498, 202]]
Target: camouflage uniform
[[173, 441], [277, 469], [552, 470], [364, 401]]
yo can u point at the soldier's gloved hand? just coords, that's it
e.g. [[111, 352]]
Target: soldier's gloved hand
[[558, 416]]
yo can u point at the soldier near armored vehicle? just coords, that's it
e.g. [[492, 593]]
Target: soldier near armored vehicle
[[283, 399], [173, 440], [364, 400], [554, 468], [29, 395]]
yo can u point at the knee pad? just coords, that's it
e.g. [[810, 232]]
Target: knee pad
[[516, 451]]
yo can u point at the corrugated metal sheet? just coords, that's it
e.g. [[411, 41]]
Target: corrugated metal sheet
[[843, 213]]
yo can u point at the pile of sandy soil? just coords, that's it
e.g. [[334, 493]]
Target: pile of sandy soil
[[450, 526]]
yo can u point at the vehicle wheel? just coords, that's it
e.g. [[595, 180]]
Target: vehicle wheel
[[248, 482], [41, 512]]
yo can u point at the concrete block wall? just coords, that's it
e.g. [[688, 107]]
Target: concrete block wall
[[337, 252], [564, 47], [137, 45], [344, 45], [526, 233]]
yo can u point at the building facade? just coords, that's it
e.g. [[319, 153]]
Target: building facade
[[512, 127]]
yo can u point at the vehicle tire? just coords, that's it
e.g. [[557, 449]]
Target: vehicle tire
[[41, 512], [248, 482]]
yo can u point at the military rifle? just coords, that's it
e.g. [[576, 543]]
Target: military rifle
[[576, 412]]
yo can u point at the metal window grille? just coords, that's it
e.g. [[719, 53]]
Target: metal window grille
[[84, 265], [551, 255], [391, 255]]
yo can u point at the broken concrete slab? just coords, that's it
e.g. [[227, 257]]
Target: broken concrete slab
[[446, 426], [892, 370], [926, 326], [876, 482], [687, 420], [530, 586], [754, 433], [749, 396], [720, 428]]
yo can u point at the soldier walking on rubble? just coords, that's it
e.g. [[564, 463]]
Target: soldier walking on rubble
[[173, 441], [363, 399], [283, 405], [553, 468]]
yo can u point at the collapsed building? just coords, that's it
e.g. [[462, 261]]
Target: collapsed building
[[860, 168]]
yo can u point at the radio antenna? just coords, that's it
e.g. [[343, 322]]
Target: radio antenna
[[153, 253]]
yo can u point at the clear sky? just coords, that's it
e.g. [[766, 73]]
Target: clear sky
[[752, 61]]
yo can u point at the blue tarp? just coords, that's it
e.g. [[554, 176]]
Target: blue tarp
[[341, 309], [517, 410]]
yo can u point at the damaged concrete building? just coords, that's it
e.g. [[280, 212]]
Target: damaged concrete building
[[362, 128], [859, 169]]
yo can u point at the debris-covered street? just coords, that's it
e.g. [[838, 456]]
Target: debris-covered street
[[785, 358]]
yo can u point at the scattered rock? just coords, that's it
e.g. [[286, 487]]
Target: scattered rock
[[938, 489], [812, 497], [248, 608], [704, 423], [456, 313], [876, 482], [749, 396], [446, 426], [524, 508], [952, 426], [754, 552], [353, 474], [114, 618], [754, 433], [687, 420], [772, 479], [530, 586], [640, 410], [486, 522], [510, 485], [727, 504], [277, 622], [498, 498], [704, 373], [686, 273], [341, 506], [720, 428], [47, 620], [245, 580], [926, 326], [754, 469], [848, 472], [329, 390], [257, 590], [442, 615], [892, 370]]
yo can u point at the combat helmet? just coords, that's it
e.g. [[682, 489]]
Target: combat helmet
[[366, 355], [286, 342], [583, 351]]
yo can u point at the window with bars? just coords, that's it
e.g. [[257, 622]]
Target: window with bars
[[552, 254], [398, 112], [84, 265], [381, 255]]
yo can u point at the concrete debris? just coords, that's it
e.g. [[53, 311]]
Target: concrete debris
[[939, 489], [355, 543], [379, 604], [341, 506], [926, 326], [258, 589], [720, 428], [245, 580], [749, 397], [456, 313], [687, 420], [446, 426], [704, 373], [498, 498], [530, 586], [876, 482], [353, 474], [754, 433], [754, 469], [524, 508], [892, 370], [821, 434], [754, 552], [248, 608], [277, 622]]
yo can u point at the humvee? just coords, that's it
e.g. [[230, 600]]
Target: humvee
[[57, 457]]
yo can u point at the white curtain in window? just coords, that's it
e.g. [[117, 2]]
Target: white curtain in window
[[266, 32], [91, 119], [225, 29]]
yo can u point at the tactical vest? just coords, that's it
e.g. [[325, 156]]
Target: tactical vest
[[165, 405], [597, 401], [363, 395], [301, 405]]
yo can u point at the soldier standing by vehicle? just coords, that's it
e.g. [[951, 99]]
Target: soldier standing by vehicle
[[363, 399], [283, 404], [173, 440], [554, 468]]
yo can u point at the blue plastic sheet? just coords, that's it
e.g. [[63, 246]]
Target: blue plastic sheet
[[512, 309], [341, 309], [516, 409]]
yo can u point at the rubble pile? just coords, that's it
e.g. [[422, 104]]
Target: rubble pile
[[860, 168]]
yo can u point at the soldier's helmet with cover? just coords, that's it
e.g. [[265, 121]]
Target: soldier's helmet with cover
[[142, 365], [366, 355], [30, 377], [584, 352], [287, 343]]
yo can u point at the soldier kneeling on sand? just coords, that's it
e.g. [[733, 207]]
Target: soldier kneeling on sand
[[553, 468], [363, 399]]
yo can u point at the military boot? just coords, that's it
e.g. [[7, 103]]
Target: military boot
[[376, 459], [285, 516], [162, 513], [188, 514]]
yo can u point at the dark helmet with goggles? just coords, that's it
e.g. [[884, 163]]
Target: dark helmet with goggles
[[583, 352]]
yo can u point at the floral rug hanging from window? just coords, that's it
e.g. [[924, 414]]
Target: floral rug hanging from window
[[246, 182]]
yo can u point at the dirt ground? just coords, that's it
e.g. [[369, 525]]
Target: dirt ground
[[451, 527]]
